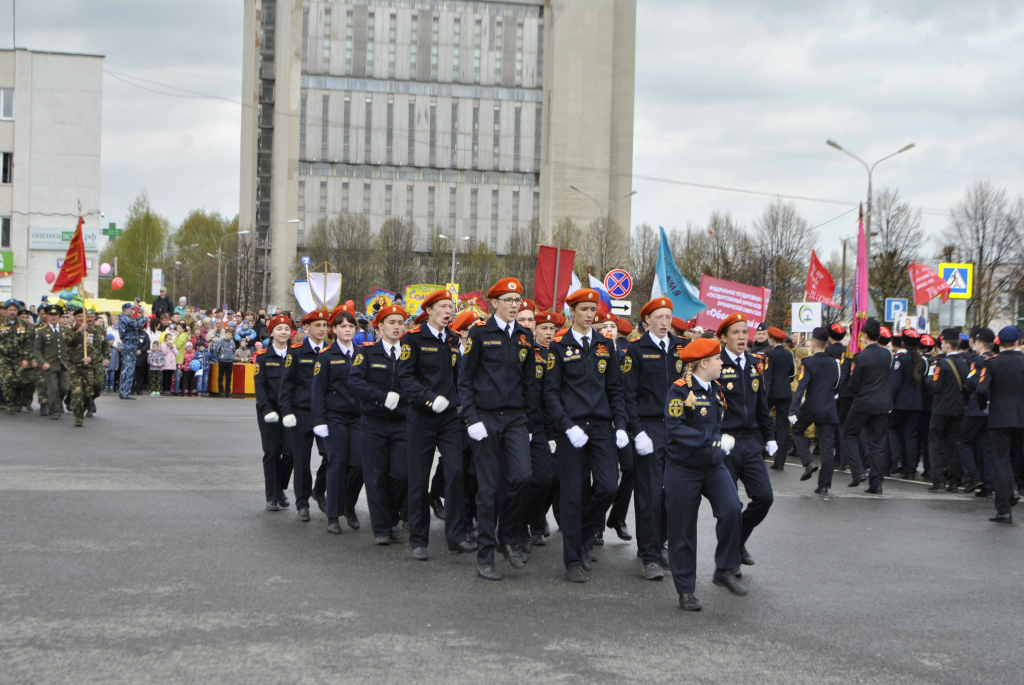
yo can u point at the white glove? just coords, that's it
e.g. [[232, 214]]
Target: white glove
[[773, 447], [288, 421], [728, 442], [440, 404], [477, 431], [552, 445], [321, 430], [643, 444], [577, 437], [792, 419], [272, 417], [530, 436], [392, 401], [621, 439]]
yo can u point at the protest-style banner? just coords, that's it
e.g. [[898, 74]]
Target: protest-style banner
[[380, 296], [726, 297], [474, 300], [415, 294]]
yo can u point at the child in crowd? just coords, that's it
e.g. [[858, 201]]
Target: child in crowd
[[243, 352], [188, 374], [203, 374], [156, 363], [111, 377], [170, 353]]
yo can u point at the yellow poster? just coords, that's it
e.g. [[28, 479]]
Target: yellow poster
[[415, 294]]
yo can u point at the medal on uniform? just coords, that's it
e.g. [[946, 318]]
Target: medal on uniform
[[728, 386], [358, 360], [540, 371], [755, 384], [627, 364], [601, 366], [551, 360], [703, 411], [455, 358], [679, 366], [522, 355], [405, 352], [288, 361], [675, 407], [316, 369]]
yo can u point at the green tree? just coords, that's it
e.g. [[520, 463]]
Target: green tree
[[395, 256], [897, 244], [137, 250], [191, 271]]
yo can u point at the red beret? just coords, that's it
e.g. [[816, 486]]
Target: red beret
[[464, 320], [625, 327], [927, 341], [316, 315], [547, 317], [342, 309], [277, 321], [583, 295], [422, 317], [776, 333], [528, 304], [730, 320], [702, 348], [910, 333], [838, 329], [656, 303], [505, 285], [435, 297], [884, 332], [604, 317], [680, 325], [387, 311]]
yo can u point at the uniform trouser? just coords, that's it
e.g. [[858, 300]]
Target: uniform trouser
[[554, 501], [597, 458], [627, 482], [437, 482], [277, 458], [425, 433], [386, 472], [684, 487], [33, 384], [98, 376], [141, 380], [80, 382], [127, 373], [57, 385], [903, 425], [781, 407], [875, 426], [976, 448], [924, 422], [540, 484], [746, 465], [503, 474], [945, 459], [649, 507], [826, 433], [344, 446], [1004, 441], [14, 381], [301, 439], [843, 404]]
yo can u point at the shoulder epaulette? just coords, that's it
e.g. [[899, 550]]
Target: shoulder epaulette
[[415, 329], [681, 382], [369, 344], [296, 345], [262, 352]]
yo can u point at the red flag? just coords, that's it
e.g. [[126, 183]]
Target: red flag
[[72, 272], [544, 281], [927, 284], [820, 285]]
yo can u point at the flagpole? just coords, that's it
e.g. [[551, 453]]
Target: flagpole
[[558, 259]]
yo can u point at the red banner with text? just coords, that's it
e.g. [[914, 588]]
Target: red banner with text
[[726, 297]]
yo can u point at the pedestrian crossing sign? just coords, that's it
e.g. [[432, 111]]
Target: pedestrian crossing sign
[[960, 278]]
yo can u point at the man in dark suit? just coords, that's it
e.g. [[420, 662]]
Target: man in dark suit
[[51, 354], [945, 379], [1002, 377], [869, 381], [814, 402], [779, 370]]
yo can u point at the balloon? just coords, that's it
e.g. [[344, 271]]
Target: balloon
[[104, 268], [65, 295], [50, 277], [117, 283]]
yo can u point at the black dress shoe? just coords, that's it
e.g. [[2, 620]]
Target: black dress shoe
[[382, 540], [857, 480], [518, 549], [304, 514], [599, 538], [487, 572], [738, 571], [438, 507], [282, 499], [574, 574], [1001, 518], [538, 540], [333, 527], [936, 487], [776, 467], [272, 506], [527, 545], [821, 490], [843, 467], [663, 560], [745, 557], [585, 561], [984, 492], [808, 470], [1014, 498], [321, 501], [352, 520], [689, 602], [511, 555], [395, 536], [653, 571], [464, 547], [621, 529], [874, 491], [952, 487], [972, 486], [547, 529], [725, 578], [88, 413], [419, 553]]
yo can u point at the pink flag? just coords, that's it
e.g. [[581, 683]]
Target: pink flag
[[820, 285], [927, 284], [860, 289]]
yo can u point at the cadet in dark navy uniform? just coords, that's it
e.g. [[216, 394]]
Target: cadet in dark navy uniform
[[607, 324], [583, 394], [373, 380], [694, 468], [869, 382], [760, 346], [779, 371], [428, 377], [836, 349], [542, 444], [999, 389], [815, 402], [945, 380], [277, 452], [748, 421], [907, 403], [975, 444], [295, 402]]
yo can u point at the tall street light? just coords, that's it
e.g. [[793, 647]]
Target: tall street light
[[176, 265], [454, 242], [266, 240], [600, 224], [220, 244]]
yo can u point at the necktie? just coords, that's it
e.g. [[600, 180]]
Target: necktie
[[393, 357], [586, 346], [664, 347]]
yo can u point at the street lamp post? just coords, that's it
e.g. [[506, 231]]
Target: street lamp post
[[266, 241], [600, 224], [454, 242], [220, 244], [176, 265]]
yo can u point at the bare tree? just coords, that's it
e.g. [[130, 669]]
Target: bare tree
[[897, 245], [395, 253], [479, 269], [345, 242], [437, 260], [520, 258], [643, 261], [243, 279], [782, 246]]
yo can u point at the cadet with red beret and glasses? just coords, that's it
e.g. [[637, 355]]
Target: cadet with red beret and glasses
[[583, 394], [748, 421], [542, 443], [652, 363], [277, 452], [428, 378], [373, 380], [296, 401], [945, 381], [814, 403], [779, 371], [694, 468], [496, 385], [869, 375]]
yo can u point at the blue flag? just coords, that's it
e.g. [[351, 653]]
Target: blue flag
[[668, 282]]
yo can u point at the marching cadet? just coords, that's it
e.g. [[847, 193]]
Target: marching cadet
[[374, 382], [836, 349], [748, 421], [277, 452], [542, 442], [869, 382], [926, 343], [651, 365], [583, 395], [694, 467], [1002, 377], [623, 329], [496, 385], [51, 353], [814, 402], [335, 416], [779, 370], [606, 324], [975, 445], [427, 378], [100, 360], [760, 345], [945, 380], [295, 402], [908, 371], [81, 345]]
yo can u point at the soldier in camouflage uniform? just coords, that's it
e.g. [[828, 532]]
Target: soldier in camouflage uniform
[[83, 347], [100, 360], [35, 383], [15, 349]]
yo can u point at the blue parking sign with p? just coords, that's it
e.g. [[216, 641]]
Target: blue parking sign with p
[[960, 278], [895, 308]]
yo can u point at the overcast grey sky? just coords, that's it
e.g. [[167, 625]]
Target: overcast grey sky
[[733, 94]]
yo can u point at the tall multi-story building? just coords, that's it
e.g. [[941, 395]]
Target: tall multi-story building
[[467, 117], [50, 116]]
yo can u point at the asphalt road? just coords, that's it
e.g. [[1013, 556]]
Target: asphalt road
[[137, 549]]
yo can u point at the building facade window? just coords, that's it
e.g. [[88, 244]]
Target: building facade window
[[348, 43], [344, 198], [369, 131], [370, 31], [433, 134], [536, 206], [430, 207], [494, 221], [390, 130], [434, 39], [305, 40], [496, 159], [412, 132], [476, 135], [540, 52], [302, 200], [452, 202], [519, 54], [455, 134], [515, 209], [536, 140], [323, 197], [392, 44], [327, 41], [302, 127], [517, 130], [366, 198], [346, 130], [456, 45], [414, 45], [387, 201], [498, 36], [5, 231], [324, 127], [6, 103], [472, 214], [408, 201], [477, 37]]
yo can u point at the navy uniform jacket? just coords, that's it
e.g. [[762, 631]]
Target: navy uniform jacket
[[906, 397], [538, 419], [266, 380], [758, 349], [428, 368], [647, 373], [846, 365], [497, 371], [947, 388], [746, 410], [579, 388], [971, 383], [869, 372], [330, 395], [297, 378], [373, 375], [999, 388], [836, 350], [814, 400], [779, 370], [694, 435]]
